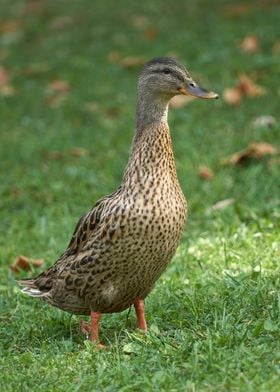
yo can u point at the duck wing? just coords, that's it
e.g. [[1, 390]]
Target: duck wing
[[90, 224], [94, 228]]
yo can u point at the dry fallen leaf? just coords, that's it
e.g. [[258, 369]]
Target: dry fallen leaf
[[113, 112], [32, 6], [205, 173], [4, 76], [232, 96], [250, 44], [22, 262], [56, 92], [15, 191], [260, 149], [236, 9], [221, 205], [250, 88], [6, 88], [132, 61], [79, 152], [150, 33], [180, 100], [253, 151], [114, 56], [245, 87], [60, 86], [9, 26], [53, 155]]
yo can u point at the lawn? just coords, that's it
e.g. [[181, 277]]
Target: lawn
[[67, 98]]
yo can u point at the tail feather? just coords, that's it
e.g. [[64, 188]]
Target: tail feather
[[27, 283], [33, 292], [30, 288]]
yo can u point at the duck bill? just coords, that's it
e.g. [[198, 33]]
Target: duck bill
[[198, 92]]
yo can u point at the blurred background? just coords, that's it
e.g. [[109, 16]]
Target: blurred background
[[67, 93]]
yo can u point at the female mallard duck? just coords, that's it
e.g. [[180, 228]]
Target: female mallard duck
[[124, 243]]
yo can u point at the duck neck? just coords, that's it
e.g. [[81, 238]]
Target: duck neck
[[151, 110], [152, 151]]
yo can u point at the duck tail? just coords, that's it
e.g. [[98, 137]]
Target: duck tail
[[30, 288]]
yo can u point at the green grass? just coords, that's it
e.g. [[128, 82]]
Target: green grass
[[214, 314]]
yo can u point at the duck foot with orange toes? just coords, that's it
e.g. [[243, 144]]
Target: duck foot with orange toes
[[92, 329]]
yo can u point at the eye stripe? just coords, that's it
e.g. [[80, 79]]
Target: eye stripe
[[171, 71]]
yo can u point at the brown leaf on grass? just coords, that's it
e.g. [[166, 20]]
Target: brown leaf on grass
[[250, 44], [236, 9], [132, 61], [37, 263], [10, 26], [245, 87], [56, 92], [16, 191], [260, 149], [253, 151], [250, 88], [232, 96], [53, 155], [221, 205], [113, 112], [4, 76], [114, 56], [24, 263], [150, 33], [59, 86], [126, 62], [6, 88], [180, 100], [32, 6], [79, 152], [205, 173]]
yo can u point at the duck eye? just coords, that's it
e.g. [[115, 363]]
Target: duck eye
[[192, 84], [166, 71]]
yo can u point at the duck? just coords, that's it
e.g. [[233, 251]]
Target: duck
[[120, 248]]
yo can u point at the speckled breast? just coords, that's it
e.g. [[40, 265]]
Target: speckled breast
[[145, 240]]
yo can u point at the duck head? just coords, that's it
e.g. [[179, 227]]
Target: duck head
[[167, 77]]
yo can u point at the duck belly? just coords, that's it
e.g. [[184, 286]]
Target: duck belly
[[138, 258]]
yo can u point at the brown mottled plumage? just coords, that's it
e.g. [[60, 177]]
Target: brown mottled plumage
[[124, 243]]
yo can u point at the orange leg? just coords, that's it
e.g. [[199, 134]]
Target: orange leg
[[92, 328], [139, 308], [95, 317]]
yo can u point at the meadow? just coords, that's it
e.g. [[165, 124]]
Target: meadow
[[68, 74]]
